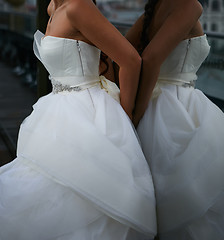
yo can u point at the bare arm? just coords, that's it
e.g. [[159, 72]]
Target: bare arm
[[184, 16], [85, 17], [133, 36], [134, 33]]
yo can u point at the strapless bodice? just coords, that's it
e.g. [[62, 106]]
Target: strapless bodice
[[185, 60], [67, 58], [73, 65]]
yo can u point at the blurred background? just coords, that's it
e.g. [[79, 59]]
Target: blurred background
[[23, 79]]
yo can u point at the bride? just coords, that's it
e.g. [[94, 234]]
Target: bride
[[181, 130], [80, 172]]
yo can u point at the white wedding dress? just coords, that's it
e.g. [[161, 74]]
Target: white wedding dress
[[80, 173], [182, 135]]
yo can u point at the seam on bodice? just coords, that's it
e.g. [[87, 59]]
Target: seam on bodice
[[80, 56]]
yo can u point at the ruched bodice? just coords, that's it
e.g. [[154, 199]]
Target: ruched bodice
[[185, 60]]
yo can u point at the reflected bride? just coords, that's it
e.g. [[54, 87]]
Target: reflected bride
[[80, 172]]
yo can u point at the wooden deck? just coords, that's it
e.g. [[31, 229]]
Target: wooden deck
[[16, 102]]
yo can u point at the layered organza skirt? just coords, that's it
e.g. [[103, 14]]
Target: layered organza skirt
[[79, 173], [182, 135]]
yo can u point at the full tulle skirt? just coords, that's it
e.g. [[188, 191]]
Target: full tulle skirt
[[182, 135], [35, 207], [79, 173]]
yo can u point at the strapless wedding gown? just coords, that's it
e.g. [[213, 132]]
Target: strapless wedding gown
[[80, 173], [182, 135]]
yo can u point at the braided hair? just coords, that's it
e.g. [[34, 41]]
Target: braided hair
[[148, 14], [103, 57]]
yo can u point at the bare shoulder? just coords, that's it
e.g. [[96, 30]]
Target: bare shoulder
[[72, 7], [187, 6], [76, 8]]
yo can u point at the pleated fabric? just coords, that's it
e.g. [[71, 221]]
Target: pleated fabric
[[182, 135], [80, 172]]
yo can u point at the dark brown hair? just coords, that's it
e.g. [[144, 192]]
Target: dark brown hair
[[103, 57], [148, 14]]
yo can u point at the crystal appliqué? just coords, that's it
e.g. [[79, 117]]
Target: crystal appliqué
[[58, 87]]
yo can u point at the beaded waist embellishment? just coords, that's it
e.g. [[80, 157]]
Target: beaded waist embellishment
[[178, 83], [105, 84], [157, 90], [58, 87]]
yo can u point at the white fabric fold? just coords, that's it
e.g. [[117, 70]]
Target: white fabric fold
[[84, 142], [87, 161]]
